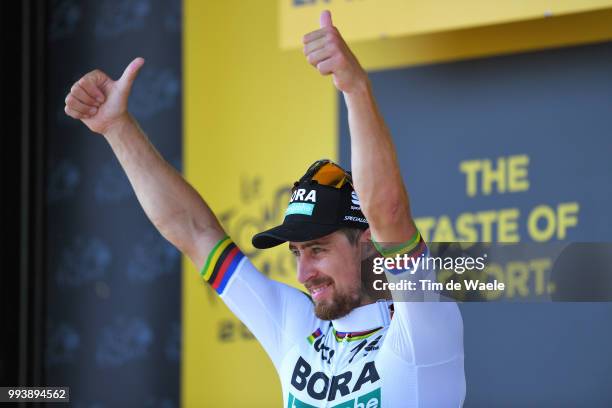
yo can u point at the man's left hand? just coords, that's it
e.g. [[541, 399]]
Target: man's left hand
[[327, 51]]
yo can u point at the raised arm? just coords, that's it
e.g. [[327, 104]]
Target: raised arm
[[376, 174], [172, 205]]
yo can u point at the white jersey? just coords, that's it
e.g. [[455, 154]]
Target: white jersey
[[407, 354]]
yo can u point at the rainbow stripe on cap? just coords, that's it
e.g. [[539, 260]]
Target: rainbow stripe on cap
[[221, 264]]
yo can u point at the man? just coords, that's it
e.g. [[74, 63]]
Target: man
[[343, 346]]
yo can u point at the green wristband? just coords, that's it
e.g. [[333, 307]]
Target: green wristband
[[398, 249]]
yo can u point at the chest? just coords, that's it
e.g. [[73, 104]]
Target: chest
[[329, 369]]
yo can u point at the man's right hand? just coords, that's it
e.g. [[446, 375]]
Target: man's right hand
[[98, 101]]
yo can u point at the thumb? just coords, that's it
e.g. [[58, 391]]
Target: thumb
[[130, 73], [325, 19]]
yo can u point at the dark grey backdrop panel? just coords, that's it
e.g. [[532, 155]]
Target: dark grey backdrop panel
[[114, 317], [554, 106]]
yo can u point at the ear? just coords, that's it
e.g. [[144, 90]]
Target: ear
[[365, 242], [366, 236]]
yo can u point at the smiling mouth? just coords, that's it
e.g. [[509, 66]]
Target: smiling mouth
[[319, 291]]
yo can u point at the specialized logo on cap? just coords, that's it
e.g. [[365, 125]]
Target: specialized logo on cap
[[355, 219], [301, 194], [355, 200]]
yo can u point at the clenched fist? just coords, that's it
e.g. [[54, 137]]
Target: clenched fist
[[326, 50], [98, 101]]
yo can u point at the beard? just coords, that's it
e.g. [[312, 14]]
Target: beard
[[339, 306]]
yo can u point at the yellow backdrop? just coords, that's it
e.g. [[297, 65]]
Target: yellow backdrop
[[255, 116], [374, 19]]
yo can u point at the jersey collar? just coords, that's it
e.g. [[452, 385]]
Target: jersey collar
[[365, 318]]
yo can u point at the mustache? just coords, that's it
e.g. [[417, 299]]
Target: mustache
[[317, 282]]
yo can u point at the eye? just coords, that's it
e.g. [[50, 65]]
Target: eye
[[317, 250], [295, 252]]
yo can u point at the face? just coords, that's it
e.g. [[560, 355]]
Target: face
[[330, 269]]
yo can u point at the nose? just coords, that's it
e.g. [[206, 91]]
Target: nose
[[306, 269]]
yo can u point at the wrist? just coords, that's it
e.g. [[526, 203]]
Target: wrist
[[360, 88], [118, 126]]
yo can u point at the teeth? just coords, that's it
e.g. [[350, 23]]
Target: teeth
[[314, 291]]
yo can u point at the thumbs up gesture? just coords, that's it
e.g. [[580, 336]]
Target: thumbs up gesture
[[326, 50], [98, 101]]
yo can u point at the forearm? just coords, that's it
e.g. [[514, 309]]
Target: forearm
[[172, 204], [376, 173]]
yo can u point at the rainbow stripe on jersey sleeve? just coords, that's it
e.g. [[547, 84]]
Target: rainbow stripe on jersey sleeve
[[221, 264]]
